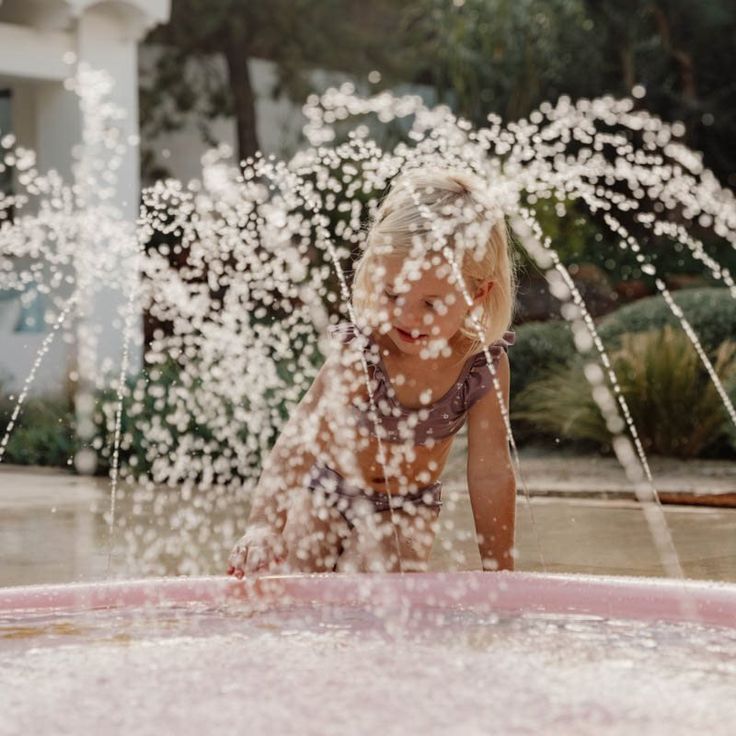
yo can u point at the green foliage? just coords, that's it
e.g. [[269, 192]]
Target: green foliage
[[508, 56], [730, 426], [143, 398], [504, 56], [298, 36], [680, 52], [710, 311], [673, 403], [501, 56], [580, 237], [44, 433], [540, 347]]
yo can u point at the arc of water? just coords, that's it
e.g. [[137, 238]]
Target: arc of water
[[695, 247], [382, 459], [501, 402], [645, 491], [651, 222], [115, 463], [324, 236], [690, 332], [43, 349], [687, 327], [566, 290], [499, 395]]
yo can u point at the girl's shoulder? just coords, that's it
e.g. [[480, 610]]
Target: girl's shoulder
[[348, 333], [478, 378], [502, 345]]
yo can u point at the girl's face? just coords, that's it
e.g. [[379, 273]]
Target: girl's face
[[424, 312]]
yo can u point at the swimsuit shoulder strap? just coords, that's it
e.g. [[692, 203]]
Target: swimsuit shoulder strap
[[346, 332], [478, 379]]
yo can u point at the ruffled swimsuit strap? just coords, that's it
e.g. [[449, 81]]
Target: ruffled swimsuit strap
[[508, 339], [345, 332], [479, 379]]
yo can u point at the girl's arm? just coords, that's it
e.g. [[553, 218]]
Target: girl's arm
[[491, 480], [302, 440]]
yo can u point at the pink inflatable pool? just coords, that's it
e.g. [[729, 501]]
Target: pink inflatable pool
[[457, 653]]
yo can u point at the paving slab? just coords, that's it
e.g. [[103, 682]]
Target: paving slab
[[581, 516], [549, 473], [43, 488]]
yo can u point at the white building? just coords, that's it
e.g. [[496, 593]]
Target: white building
[[41, 41]]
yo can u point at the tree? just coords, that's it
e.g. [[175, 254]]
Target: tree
[[297, 35], [508, 56], [503, 56]]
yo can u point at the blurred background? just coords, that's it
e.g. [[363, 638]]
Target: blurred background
[[195, 74], [478, 56]]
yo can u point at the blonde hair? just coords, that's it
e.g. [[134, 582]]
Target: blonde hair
[[446, 211]]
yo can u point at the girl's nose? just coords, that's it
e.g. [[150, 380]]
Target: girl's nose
[[408, 316]]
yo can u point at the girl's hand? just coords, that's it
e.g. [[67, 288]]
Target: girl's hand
[[259, 549]]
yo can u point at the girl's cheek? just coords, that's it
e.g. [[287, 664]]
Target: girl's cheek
[[456, 315]]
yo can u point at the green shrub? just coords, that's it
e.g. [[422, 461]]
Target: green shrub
[[673, 403], [730, 427], [711, 312], [44, 433], [165, 407], [539, 348]]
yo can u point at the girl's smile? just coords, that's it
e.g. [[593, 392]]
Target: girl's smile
[[411, 337]]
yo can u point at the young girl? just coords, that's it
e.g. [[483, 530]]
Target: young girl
[[353, 482]]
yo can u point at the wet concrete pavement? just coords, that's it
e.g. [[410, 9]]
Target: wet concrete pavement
[[53, 527]]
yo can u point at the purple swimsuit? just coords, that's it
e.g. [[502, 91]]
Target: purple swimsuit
[[353, 502], [444, 417], [401, 424]]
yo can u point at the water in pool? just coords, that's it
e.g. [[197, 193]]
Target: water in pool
[[195, 669]]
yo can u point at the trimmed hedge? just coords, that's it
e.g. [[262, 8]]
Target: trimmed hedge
[[711, 311], [540, 347], [730, 387], [544, 348]]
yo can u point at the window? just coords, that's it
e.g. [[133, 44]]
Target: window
[[32, 304]]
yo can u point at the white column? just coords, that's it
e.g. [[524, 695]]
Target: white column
[[45, 118], [106, 43], [36, 37], [57, 124]]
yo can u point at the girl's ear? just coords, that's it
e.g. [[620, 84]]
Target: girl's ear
[[484, 289]]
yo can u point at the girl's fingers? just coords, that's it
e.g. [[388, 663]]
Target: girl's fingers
[[237, 561], [237, 556], [247, 558], [255, 559]]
